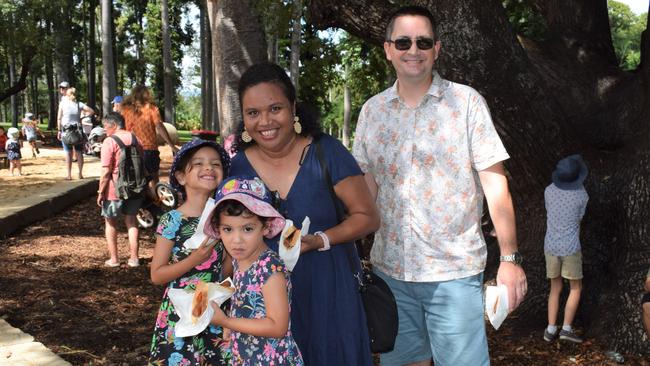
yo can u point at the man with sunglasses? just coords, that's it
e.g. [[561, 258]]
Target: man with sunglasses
[[430, 153]]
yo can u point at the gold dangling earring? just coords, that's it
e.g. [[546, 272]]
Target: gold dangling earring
[[246, 137], [296, 125]]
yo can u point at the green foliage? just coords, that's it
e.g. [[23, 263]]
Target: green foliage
[[626, 30], [188, 112], [525, 19], [153, 43], [365, 71]]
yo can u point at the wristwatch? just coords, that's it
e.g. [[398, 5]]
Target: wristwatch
[[515, 258]]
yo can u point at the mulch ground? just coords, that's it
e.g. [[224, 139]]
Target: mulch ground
[[54, 287]]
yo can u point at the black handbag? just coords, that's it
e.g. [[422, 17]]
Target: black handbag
[[72, 135], [378, 300]]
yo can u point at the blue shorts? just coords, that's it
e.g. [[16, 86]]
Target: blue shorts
[[68, 148], [152, 161], [443, 320], [112, 209]]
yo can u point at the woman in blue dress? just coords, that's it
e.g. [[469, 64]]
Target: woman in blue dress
[[277, 143]]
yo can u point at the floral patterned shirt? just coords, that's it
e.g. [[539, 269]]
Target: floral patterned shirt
[[248, 302], [425, 161]]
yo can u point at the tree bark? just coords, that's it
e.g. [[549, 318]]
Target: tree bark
[[92, 86], [12, 81], [347, 114], [109, 83], [168, 67], [238, 41], [51, 89], [550, 99], [207, 81], [295, 43], [63, 43]]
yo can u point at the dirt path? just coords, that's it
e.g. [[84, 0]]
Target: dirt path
[[49, 168]]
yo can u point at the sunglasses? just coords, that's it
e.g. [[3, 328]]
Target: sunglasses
[[403, 44]]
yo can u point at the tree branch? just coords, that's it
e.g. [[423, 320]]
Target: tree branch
[[21, 84]]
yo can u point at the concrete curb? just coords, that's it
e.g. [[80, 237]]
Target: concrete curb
[[19, 349], [23, 212]]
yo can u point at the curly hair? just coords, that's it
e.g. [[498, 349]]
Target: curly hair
[[139, 97], [267, 72]]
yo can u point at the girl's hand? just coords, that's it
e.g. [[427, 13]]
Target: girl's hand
[[219, 316], [203, 252], [310, 242]]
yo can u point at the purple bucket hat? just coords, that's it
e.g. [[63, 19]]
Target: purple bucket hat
[[252, 193], [189, 146]]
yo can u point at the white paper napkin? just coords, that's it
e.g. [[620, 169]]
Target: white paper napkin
[[291, 256], [182, 301], [496, 304], [195, 240]]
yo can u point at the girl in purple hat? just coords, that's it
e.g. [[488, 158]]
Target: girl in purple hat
[[259, 314], [197, 170]]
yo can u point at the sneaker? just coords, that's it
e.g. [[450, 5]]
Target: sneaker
[[569, 335], [133, 262], [111, 264], [548, 336]]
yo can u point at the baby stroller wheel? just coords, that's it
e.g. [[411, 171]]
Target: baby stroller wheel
[[167, 195], [145, 218]]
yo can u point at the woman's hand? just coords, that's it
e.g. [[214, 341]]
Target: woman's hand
[[310, 242], [219, 316], [100, 199]]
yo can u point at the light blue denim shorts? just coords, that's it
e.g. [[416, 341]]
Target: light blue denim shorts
[[443, 320]]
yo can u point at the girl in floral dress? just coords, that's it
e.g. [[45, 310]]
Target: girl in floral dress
[[259, 314], [197, 170]]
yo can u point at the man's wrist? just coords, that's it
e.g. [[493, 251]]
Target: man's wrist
[[514, 257]]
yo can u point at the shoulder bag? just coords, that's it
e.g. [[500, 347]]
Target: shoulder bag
[[378, 300]]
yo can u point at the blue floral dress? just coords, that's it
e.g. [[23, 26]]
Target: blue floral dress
[[13, 150], [207, 347], [248, 302]]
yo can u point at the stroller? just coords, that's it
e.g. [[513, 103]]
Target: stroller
[[152, 208], [95, 134]]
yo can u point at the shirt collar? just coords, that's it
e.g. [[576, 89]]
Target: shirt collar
[[436, 88]]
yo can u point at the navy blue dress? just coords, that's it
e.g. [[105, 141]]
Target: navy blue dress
[[13, 150], [327, 317]]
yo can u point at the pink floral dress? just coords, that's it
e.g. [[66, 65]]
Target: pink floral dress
[[248, 302], [207, 347]]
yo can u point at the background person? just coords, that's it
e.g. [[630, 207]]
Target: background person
[[117, 104], [196, 172], [277, 144], [142, 118], [70, 110], [12, 146], [31, 132], [113, 207], [259, 312], [430, 150], [566, 201]]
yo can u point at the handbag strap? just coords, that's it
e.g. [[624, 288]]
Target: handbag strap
[[339, 211]]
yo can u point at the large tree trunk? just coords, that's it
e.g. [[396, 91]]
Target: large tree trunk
[[63, 48], [207, 81], [12, 81], [109, 82], [168, 66], [92, 86], [238, 41], [347, 112], [550, 99], [295, 43], [51, 88]]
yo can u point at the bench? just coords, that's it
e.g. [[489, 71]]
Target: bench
[[4, 162]]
